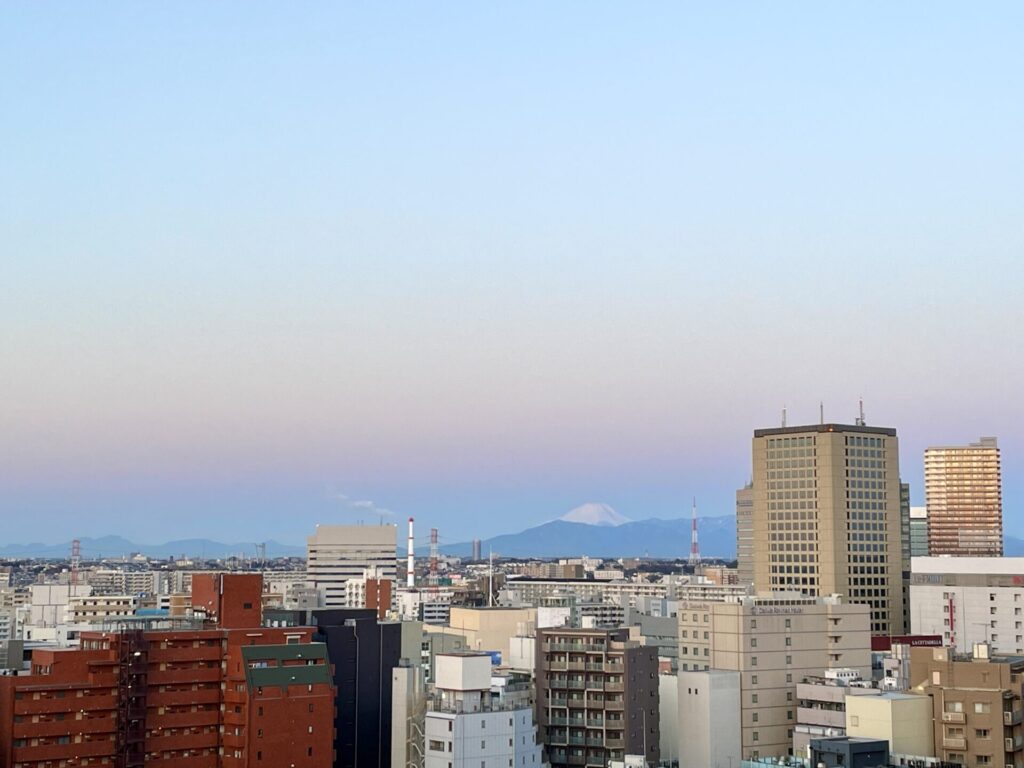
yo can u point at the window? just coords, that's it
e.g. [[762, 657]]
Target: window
[[753, 679], [753, 642], [954, 706], [982, 708], [753, 661], [855, 720], [981, 733], [753, 717], [756, 736], [436, 745], [753, 698]]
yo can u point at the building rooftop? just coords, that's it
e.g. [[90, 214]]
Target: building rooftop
[[772, 432], [1002, 566]]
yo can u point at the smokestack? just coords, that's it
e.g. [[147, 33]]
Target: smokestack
[[410, 568]]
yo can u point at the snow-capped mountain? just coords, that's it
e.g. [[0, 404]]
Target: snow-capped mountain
[[594, 513]]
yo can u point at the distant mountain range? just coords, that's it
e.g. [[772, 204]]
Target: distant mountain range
[[653, 537], [110, 547]]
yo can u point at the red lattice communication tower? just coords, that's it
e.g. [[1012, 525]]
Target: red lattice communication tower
[[76, 559], [694, 546]]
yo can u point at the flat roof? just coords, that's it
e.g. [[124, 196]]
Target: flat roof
[[833, 427], [1002, 566]]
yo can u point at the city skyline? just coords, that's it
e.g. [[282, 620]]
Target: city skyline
[[481, 266]]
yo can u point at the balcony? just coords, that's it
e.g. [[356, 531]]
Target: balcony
[[577, 703], [953, 717], [557, 701], [1012, 745], [827, 717], [1012, 717], [614, 687], [948, 743]]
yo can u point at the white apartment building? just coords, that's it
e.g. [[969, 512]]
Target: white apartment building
[[468, 727], [969, 600], [48, 603], [97, 609], [338, 553], [754, 651]]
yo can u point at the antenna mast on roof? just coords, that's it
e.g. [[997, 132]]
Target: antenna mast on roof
[[860, 417], [783, 417]]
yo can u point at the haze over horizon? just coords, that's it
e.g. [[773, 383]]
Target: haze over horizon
[[450, 262]]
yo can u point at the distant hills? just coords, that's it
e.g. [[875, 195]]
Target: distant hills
[[110, 547], [654, 537]]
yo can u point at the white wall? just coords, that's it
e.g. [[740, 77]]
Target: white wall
[[709, 723]]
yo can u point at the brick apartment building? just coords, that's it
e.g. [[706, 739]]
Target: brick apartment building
[[597, 696], [221, 693]]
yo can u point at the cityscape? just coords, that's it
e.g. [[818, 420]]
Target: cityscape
[[845, 627], [530, 385]]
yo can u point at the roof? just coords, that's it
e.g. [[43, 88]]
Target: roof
[[888, 431], [278, 673]]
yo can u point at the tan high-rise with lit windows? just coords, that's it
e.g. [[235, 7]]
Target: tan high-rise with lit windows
[[826, 516], [964, 496]]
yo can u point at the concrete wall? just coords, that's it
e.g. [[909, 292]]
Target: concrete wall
[[709, 729]]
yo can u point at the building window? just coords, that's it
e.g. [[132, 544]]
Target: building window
[[982, 708]]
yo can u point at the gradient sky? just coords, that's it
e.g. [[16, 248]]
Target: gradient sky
[[481, 263]]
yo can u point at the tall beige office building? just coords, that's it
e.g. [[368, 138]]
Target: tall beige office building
[[827, 516], [964, 497]]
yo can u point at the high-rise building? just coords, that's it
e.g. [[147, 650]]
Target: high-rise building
[[827, 515], [963, 494], [476, 550], [468, 726], [597, 696], [745, 533], [363, 652], [337, 553], [918, 532], [739, 665]]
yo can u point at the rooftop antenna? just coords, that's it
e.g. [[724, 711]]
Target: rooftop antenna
[[821, 411], [860, 417], [694, 546], [490, 578], [783, 417]]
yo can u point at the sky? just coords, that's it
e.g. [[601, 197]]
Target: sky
[[266, 266]]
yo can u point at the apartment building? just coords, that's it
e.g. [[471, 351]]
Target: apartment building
[[98, 609], [964, 497], [466, 726], [752, 652], [977, 709], [597, 696], [337, 553], [822, 705], [828, 512], [220, 694], [969, 600], [918, 532]]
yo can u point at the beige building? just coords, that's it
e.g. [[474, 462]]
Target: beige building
[[745, 534], [902, 719], [827, 516], [337, 553], [487, 629], [770, 644], [976, 705], [964, 498]]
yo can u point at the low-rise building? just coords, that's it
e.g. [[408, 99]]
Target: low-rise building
[[821, 706], [467, 725], [977, 707]]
